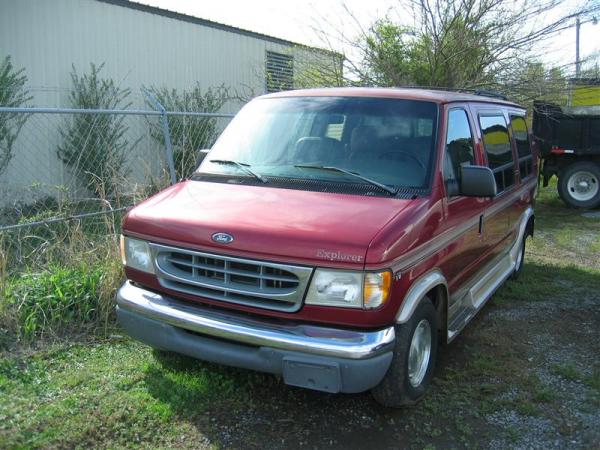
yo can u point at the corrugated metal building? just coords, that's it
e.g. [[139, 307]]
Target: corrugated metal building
[[139, 46]]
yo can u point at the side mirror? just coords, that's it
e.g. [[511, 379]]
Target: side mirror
[[201, 155], [477, 181]]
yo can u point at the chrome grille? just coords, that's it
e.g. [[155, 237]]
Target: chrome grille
[[235, 280]]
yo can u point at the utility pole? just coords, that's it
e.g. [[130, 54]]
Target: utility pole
[[577, 61]]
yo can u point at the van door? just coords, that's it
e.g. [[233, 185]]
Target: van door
[[462, 214], [499, 155]]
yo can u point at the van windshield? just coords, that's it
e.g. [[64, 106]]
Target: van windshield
[[387, 141]]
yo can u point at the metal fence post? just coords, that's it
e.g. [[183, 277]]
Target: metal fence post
[[166, 133]]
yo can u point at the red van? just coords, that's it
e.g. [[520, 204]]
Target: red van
[[335, 237]]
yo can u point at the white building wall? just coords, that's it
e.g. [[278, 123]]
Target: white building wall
[[138, 48]]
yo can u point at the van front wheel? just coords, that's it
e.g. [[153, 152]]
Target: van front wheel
[[413, 362]]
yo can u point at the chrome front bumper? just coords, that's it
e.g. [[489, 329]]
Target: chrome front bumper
[[306, 339]]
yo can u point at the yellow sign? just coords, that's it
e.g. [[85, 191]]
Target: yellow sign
[[585, 95]]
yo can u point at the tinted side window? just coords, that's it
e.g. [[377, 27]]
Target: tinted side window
[[519, 129], [498, 150], [459, 149]]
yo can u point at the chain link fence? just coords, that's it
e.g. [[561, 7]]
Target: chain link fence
[[75, 171]]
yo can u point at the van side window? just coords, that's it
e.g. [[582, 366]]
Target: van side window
[[498, 150], [459, 149], [521, 136]]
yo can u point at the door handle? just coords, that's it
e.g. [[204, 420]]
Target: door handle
[[481, 224]]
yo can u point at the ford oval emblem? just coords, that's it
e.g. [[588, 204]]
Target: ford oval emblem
[[222, 238]]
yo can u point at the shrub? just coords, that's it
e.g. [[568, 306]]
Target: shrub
[[189, 133], [72, 293], [12, 94], [21, 211], [54, 299], [94, 145]]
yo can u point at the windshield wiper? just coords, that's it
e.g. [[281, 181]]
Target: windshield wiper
[[347, 172], [242, 166]]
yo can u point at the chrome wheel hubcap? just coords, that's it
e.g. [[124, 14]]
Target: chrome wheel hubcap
[[419, 353], [583, 186]]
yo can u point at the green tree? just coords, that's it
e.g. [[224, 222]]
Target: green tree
[[392, 56], [457, 43], [190, 133], [534, 81], [94, 146], [12, 94], [397, 55], [317, 68], [591, 66]]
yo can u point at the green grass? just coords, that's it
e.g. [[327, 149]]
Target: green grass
[[54, 299], [544, 281], [593, 380], [568, 371], [117, 393], [565, 236]]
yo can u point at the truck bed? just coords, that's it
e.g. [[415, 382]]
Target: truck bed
[[566, 130]]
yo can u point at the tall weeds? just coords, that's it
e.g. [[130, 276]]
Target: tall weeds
[[60, 286]]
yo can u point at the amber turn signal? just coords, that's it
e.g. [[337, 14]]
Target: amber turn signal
[[376, 289]]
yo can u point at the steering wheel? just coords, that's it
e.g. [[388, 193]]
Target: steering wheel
[[406, 155]]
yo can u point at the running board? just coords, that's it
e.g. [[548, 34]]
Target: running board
[[468, 303]]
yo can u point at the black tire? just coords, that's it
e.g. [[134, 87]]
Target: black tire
[[568, 193], [521, 261], [396, 390]]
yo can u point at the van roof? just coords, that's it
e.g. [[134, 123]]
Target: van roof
[[432, 95]]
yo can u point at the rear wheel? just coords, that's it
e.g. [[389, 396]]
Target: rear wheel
[[412, 366], [579, 185]]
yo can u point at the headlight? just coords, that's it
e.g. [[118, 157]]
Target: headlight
[[135, 254], [349, 289], [336, 288]]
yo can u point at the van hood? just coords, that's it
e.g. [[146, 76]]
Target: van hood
[[269, 223]]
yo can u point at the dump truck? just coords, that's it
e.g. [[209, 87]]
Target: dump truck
[[568, 141]]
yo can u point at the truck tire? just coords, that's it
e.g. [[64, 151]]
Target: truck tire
[[411, 369], [579, 185]]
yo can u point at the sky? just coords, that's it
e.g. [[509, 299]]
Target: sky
[[297, 20]]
